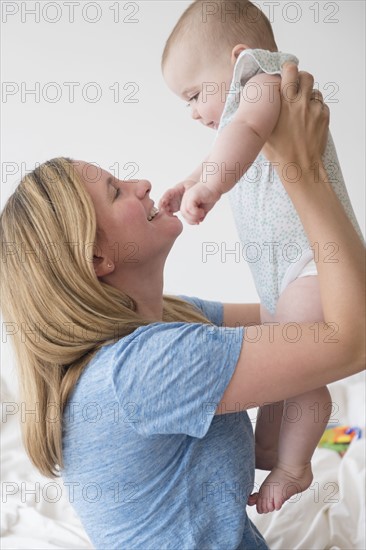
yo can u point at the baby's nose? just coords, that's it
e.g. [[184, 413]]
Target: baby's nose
[[195, 114]]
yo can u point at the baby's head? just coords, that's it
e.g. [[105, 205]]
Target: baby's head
[[202, 49]]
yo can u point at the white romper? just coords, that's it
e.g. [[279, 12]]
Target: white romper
[[272, 237]]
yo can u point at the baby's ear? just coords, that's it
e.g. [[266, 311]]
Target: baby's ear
[[236, 51]]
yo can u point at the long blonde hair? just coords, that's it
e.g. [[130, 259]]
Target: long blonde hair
[[60, 312]]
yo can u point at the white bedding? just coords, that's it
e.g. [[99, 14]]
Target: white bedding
[[331, 515]]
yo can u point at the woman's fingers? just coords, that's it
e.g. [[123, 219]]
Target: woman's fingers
[[289, 81], [306, 83], [316, 95], [317, 102], [295, 84], [326, 113], [301, 132]]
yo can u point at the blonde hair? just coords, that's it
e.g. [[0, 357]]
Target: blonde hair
[[222, 24], [61, 314]]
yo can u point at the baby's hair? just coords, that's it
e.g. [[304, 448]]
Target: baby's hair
[[223, 23]]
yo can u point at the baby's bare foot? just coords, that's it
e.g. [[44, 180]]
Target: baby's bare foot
[[281, 484]]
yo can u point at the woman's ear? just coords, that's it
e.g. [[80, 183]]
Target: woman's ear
[[236, 51], [102, 266]]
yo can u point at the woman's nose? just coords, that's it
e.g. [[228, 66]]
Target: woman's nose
[[141, 188]]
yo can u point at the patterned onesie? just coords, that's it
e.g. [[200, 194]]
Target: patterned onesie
[[272, 237]]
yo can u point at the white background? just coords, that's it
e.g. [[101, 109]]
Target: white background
[[156, 132]]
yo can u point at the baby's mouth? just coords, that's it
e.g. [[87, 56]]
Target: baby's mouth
[[213, 125]]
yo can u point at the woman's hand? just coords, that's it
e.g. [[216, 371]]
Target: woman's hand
[[301, 132]]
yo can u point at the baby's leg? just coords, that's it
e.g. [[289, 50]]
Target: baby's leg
[[267, 432], [268, 425], [300, 431]]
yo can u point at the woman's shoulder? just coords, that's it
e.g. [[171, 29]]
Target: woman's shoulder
[[149, 334], [150, 345], [212, 310], [144, 343]]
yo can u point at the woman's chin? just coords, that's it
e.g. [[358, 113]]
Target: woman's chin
[[176, 223], [175, 230]]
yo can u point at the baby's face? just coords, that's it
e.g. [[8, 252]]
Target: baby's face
[[203, 86]]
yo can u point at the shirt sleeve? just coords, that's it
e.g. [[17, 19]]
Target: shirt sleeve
[[173, 376], [213, 311]]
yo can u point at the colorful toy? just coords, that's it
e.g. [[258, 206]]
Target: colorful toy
[[338, 438]]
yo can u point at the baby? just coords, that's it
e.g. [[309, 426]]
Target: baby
[[222, 59]]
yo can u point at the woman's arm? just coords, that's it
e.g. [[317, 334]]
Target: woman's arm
[[280, 361], [241, 315]]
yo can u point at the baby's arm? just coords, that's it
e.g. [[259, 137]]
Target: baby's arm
[[237, 146], [172, 198]]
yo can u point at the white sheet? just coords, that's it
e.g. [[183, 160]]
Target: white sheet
[[331, 515]]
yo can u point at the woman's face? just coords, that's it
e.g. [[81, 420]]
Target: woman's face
[[123, 209]]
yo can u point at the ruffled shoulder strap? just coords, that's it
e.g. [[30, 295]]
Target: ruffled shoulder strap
[[252, 62]]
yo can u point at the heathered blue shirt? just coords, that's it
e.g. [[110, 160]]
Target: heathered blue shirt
[[147, 463]]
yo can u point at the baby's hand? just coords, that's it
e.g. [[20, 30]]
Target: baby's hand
[[197, 202], [172, 198]]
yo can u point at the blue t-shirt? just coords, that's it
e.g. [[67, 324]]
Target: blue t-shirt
[[147, 463]]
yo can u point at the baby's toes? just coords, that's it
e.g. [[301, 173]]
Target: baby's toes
[[270, 505], [260, 504], [252, 500], [264, 504], [266, 501], [278, 502]]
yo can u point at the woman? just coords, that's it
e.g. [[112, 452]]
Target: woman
[[143, 382]]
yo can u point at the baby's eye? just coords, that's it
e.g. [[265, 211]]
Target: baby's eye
[[118, 191], [193, 98]]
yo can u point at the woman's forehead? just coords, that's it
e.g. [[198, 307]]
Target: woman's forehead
[[90, 172]]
